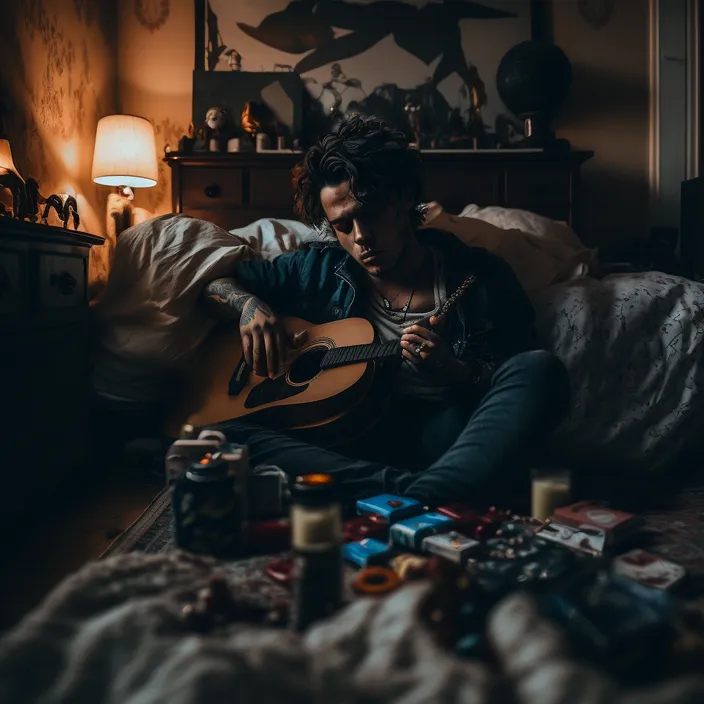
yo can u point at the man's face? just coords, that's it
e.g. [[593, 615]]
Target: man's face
[[376, 238]]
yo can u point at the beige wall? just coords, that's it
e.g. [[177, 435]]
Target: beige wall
[[155, 77], [58, 80], [608, 112]]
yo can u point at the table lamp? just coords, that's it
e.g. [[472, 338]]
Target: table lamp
[[7, 165], [125, 157]]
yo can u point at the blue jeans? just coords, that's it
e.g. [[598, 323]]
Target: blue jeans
[[469, 453]]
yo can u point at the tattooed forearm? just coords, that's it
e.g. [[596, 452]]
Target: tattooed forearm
[[250, 310], [225, 298]]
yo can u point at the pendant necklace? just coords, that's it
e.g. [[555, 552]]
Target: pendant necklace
[[404, 309]]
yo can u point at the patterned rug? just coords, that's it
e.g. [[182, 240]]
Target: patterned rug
[[676, 532]]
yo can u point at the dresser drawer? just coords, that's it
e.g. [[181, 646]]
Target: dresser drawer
[[457, 185], [271, 187], [61, 280], [13, 285], [535, 185], [211, 187]]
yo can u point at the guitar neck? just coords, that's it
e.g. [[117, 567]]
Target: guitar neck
[[353, 354], [381, 351]]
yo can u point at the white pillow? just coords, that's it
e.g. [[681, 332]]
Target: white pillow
[[271, 237], [541, 252], [148, 323], [513, 218]]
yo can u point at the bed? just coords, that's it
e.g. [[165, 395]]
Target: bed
[[631, 342]]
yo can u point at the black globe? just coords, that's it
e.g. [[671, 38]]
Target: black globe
[[534, 77]]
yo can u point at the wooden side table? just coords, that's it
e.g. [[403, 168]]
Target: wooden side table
[[43, 356]]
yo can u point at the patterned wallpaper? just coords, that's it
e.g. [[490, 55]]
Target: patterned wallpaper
[[62, 80]]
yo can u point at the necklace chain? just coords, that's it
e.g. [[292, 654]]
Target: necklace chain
[[404, 309]]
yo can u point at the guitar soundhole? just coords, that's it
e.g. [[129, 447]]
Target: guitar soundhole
[[307, 365]]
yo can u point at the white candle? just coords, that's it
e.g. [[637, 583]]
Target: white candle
[[315, 528], [548, 492], [262, 142], [233, 145]]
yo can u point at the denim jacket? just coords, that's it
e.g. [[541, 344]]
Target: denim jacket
[[321, 283]]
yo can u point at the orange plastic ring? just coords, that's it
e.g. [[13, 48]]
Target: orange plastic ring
[[375, 580]]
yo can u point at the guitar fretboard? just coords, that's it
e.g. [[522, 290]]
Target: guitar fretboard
[[341, 356]]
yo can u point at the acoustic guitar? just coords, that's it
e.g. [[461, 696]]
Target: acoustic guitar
[[324, 392], [322, 382]]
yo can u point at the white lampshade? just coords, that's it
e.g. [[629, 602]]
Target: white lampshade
[[125, 152], [6, 161]]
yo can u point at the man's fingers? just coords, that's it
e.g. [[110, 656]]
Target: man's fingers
[[281, 345], [410, 357], [418, 330], [247, 348], [298, 339], [271, 352], [258, 354], [436, 321], [415, 340]]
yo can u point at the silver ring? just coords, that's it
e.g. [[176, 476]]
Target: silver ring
[[419, 348]]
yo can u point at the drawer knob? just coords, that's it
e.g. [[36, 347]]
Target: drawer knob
[[64, 282], [212, 191]]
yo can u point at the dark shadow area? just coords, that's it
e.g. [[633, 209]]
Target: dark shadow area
[[613, 206], [427, 33], [599, 93]]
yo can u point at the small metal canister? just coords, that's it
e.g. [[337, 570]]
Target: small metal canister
[[210, 505]]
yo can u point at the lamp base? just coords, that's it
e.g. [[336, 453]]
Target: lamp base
[[119, 213]]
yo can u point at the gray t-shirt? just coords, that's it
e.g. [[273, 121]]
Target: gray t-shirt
[[409, 379]]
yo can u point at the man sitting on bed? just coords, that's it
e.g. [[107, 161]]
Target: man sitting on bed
[[474, 396]]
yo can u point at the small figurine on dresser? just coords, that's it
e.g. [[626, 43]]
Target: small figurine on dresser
[[259, 122], [415, 121], [234, 59], [218, 130], [66, 209], [187, 142]]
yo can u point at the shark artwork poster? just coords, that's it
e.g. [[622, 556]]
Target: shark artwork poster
[[376, 55]]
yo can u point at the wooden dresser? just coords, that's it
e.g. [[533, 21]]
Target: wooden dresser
[[43, 357], [232, 190]]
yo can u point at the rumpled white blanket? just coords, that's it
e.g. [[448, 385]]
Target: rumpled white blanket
[[633, 346], [113, 632], [148, 323]]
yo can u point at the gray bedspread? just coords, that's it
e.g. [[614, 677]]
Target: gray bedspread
[[114, 632]]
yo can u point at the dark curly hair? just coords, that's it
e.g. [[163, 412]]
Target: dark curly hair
[[375, 158]]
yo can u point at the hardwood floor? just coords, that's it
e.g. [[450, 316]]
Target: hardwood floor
[[63, 539]]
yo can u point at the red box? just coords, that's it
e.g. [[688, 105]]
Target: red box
[[371, 526], [617, 525], [473, 523], [269, 536]]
